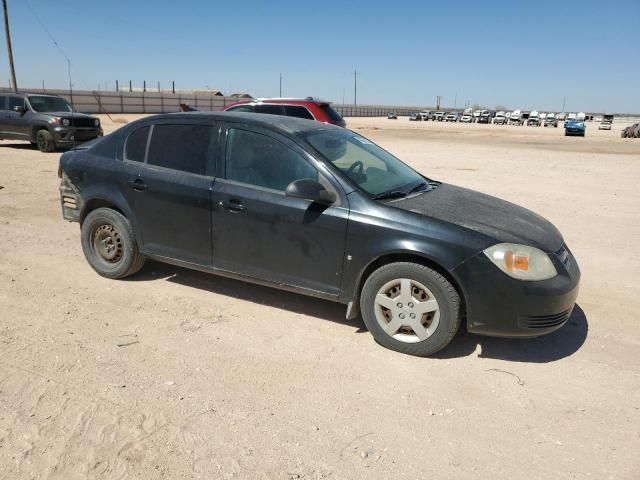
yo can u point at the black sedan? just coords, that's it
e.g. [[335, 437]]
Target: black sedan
[[320, 210]]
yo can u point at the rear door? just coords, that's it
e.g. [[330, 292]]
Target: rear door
[[169, 187]]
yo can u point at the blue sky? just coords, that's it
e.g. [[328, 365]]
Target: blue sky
[[515, 53]]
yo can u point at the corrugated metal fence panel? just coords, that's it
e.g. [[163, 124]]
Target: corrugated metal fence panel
[[374, 110], [136, 102]]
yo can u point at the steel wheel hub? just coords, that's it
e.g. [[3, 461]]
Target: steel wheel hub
[[108, 243], [407, 310]]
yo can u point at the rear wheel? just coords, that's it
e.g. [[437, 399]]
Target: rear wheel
[[109, 244], [410, 308], [44, 141]]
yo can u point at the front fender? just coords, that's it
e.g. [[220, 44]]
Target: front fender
[[388, 234]]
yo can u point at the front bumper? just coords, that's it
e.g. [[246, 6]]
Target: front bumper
[[501, 306], [75, 135], [571, 131]]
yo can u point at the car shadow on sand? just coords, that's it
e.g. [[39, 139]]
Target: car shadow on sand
[[548, 348], [20, 146], [268, 296], [562, 343]]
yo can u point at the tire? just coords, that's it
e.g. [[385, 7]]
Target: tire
[[109, 244], [44, 141], [427, 289]]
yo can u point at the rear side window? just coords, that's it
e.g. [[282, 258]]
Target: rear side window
[[3, 100], [136, 145], [241, 108], [180, 147], [331, 113], [16, 102], [270, 109], [297, 111]]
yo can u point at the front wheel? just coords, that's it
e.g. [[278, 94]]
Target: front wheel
[[44, 141], [410, 308], [109, 244]]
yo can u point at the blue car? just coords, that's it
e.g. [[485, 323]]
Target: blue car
[[575, 127]]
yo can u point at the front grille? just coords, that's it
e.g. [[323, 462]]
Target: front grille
[[544, 321], [82, 122]]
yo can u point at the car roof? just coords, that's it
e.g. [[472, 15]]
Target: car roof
[[290, 125]]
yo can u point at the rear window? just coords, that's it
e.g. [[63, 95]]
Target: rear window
[[331, 113], [297, 111], [136, 145], [180, 147]]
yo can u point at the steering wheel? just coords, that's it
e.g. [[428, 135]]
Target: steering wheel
[[352, 169]]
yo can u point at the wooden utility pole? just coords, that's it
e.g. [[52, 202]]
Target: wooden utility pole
[[12, 67], [355, 88]]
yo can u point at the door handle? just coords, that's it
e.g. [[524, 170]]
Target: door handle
[[233, 205], [138, 185]]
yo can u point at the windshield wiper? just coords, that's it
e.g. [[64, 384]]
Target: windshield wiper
[[392, 194], [418, 187]]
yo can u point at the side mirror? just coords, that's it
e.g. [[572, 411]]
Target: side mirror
[[18, 109], [309, 189]]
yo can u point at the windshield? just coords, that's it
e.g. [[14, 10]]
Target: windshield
[[49, 104], [370, 167]]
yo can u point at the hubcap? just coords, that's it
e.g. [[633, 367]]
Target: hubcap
[[108, 243], [41, 142], [407, 310]]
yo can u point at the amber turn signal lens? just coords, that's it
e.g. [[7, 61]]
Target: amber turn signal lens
[[516, 262]]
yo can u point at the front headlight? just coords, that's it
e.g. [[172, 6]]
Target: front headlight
[[96, 122], [521, 261], [65, 122]]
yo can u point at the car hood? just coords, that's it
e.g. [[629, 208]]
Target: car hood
[[67, 114], [491, 216]]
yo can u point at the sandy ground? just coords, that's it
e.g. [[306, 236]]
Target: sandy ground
[[177, 374]]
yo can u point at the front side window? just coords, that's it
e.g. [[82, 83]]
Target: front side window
[[136, 145], [297, 111], [373, 169], [180, 147], [262, 161], [3, 100], [45, 104]]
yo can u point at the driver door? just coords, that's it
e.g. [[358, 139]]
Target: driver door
[[260, 232]]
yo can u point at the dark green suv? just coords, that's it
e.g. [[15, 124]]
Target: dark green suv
[[47, 121]]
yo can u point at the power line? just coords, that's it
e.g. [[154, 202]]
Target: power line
[[54, 41]]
